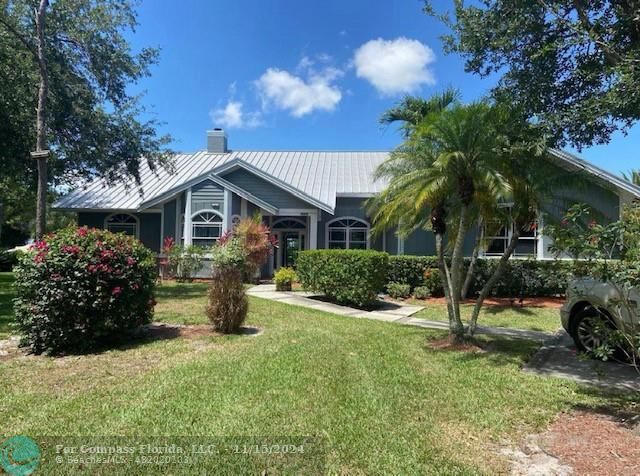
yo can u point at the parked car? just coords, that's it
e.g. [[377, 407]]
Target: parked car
[[593, 307]]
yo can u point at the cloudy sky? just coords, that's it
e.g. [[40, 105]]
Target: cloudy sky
[[293, 75]]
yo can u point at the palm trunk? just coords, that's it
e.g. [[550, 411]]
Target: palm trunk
[[41, 123], [497, 273], [455, 324], [472, 265]]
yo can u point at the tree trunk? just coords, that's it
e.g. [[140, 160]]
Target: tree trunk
[[472, 265], [497, 273], [41, 123], [453, 307]]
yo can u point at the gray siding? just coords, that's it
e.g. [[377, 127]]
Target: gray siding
[[264, 190], [207, 196], [149, 226], [169, 220]]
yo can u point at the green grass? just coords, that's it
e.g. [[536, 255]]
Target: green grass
[[531, 318], [6, 305], [376, 398]]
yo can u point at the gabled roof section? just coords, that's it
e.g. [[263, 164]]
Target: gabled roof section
[[580, 164]]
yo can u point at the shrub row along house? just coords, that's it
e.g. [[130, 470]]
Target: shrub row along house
[[310, 199]]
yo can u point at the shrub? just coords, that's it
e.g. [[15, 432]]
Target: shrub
[[79, 287], [184, 261], [283, 278], [421, 292], [410, 269], [257, 241], [398, 290], [433, 281], [8, 260], [227, 301], [352, 277]]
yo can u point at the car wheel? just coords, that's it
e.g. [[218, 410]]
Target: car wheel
[[590, 328]]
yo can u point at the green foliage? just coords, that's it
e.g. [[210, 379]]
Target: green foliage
[[573, 66], [229, 254], [410, 269], [8, 260], [78, 287], [352, 277], [185, 262], [227, 301], [421, 292], [398, 290], [284, 277]]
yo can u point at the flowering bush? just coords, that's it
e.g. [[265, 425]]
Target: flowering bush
[[283, 278], [78, 287], [257, 241]]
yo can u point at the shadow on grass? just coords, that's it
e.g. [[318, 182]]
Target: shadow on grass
[[6, 302], [181, 291], [495, 310]]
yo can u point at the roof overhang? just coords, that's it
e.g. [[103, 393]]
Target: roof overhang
[[239, 163], [582, 165]]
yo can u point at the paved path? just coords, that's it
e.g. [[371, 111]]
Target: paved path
[[398, 313]]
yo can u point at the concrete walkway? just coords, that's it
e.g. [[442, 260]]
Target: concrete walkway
[[399, 313]]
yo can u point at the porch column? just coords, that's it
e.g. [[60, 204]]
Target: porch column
[[228, 200], [187, 220], [313, 230]]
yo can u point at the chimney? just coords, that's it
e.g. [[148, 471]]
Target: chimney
[[217, 141]]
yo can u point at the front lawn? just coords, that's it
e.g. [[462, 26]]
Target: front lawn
[[374, 394], [515, 317]]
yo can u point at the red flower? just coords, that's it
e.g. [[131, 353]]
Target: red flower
[[116, 291], [70, 249], [39, 258], [131, 261], [82, 231], [40, 245]]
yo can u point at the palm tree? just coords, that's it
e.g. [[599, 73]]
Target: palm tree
[[449, 161], [632, 176]]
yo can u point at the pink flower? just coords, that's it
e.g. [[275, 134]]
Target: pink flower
[[82, 231], [135, 286], [116, 291], [40, 245], [131, 261], [39, 258], [70, 249]]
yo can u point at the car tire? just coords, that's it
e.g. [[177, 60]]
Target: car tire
[[587, 328]]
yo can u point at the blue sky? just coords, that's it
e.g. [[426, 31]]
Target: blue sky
[[291, 74]]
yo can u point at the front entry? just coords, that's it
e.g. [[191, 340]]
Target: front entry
[[291, 233], [292, 243]]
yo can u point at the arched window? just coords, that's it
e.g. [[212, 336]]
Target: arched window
[[122, 223], [206, 226], [347, 233], [289, 224]]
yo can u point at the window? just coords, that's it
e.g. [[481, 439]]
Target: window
[[206, 228], [527, 245], [289, 224], [122, 223], [347, 233]]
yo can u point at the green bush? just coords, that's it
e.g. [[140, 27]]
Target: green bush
[[79, 287], [398, 290], [184, 261], [227, 300], [8, 260], [421, 292], [529, 278], [283, 278], [352, 277]]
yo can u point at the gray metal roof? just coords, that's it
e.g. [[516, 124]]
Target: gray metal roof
[[315, 176]]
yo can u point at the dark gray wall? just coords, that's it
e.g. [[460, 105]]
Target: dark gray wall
[[207, 196], [264, 190], [149, 226]]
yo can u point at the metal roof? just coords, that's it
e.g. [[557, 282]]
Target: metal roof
[[317, 177]]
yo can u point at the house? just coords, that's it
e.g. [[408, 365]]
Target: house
[[311, 199]]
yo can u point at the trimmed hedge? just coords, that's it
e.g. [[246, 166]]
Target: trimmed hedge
[[352, 277], [521, 278], [77, 288]]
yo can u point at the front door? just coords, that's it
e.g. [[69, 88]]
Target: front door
[[292, 242]]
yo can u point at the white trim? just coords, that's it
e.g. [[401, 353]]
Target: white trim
[[539, 240], [296, 212], [106, 227], [285, 218], [226, 218], [400, 245], [356, 194], [313, 231], [243, 207], [347, 229], [206, 210], [187, 220], [109, 210]]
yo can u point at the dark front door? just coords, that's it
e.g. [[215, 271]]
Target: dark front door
[[292, 243]]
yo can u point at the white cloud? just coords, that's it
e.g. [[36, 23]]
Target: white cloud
[[395, 66], [232, 116], [297, 95]]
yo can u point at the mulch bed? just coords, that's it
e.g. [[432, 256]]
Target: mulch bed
[[550, 302], [595, 443]]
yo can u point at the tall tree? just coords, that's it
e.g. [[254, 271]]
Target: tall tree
[[572, 65], [66, 74]]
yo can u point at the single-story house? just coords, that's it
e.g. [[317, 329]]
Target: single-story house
[[310, 199]]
